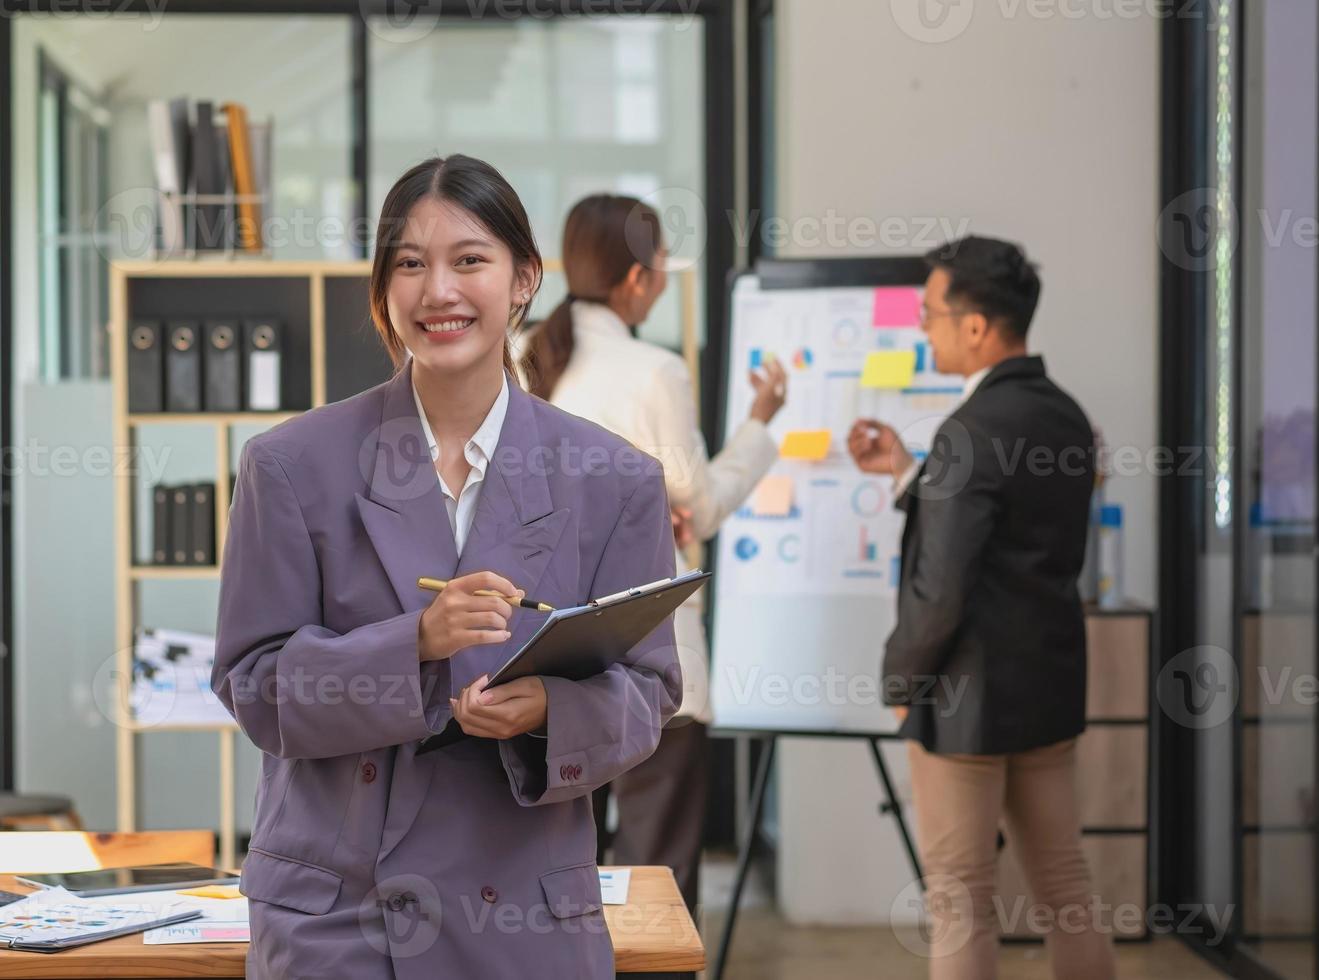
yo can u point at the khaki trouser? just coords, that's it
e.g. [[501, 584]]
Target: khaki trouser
[[959, 802]]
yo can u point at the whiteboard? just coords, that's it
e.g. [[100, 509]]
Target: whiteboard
[[804, 600]]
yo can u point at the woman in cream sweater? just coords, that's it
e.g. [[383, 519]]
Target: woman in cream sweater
[[586, 359]]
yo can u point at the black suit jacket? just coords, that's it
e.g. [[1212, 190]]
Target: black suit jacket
[[989, 647]]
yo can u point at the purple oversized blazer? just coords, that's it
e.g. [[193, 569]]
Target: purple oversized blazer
[[476, 860]]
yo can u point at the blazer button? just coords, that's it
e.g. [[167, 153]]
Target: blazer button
[[368, 772], [563, 773], [576, 772], [489, 894], [397, 901]]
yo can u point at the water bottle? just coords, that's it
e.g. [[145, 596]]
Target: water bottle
[[1110, 557]]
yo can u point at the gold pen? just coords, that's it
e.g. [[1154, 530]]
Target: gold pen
[[438, 584]]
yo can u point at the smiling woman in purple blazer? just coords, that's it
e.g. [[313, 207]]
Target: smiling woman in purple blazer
[[476, 860]]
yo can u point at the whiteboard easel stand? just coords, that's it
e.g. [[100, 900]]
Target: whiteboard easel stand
[[890, 806]]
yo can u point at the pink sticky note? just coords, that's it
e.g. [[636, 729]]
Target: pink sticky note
[[897, 306]]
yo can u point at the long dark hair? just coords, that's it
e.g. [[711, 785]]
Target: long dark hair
[[478, 189], [604, 236]]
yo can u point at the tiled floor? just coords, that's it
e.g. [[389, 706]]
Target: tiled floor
[[767, 948], [1293, 960]]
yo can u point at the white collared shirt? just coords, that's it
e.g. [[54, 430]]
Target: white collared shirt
[[903, 480], [480, 449]]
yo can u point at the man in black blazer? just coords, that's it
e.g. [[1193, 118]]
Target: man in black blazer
[[986, 665]]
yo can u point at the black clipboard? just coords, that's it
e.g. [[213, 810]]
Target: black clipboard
[[583, 641]]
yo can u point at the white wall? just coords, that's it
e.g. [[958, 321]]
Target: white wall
[[1042, 130]]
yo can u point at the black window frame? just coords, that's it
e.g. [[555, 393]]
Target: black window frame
[[1187, 118]]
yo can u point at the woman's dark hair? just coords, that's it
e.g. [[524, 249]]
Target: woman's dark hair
[[604, 236], [992, 277], [481, 191]]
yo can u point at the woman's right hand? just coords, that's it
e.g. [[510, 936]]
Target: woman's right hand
[[458, 618], [771, 385]]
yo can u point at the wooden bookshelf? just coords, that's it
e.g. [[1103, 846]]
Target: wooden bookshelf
[[209, 418], [296, 292]]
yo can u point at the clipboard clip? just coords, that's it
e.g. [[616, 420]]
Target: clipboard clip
[[629, 592]]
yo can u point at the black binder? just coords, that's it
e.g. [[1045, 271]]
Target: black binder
[[210, 219], [583, 641], [180, 512], [201, 537], [223, 363], [183, 367], [161, 553], [146, 366], [263, 344]]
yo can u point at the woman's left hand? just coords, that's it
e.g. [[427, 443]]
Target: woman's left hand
[[683, 535], [515, 708]]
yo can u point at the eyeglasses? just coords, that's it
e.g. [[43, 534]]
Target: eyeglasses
[[927, 315]]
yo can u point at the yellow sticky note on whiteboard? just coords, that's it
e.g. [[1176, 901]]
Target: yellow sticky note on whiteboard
[[810, 444], [889, 369]]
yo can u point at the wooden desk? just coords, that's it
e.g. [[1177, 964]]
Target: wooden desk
[[652, 933]]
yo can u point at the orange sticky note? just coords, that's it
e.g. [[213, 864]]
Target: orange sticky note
[[810, 444], [773, 497]]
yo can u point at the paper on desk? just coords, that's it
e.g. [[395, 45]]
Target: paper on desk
[[223, 920], [54, 914], [199, 931], [614, 885]]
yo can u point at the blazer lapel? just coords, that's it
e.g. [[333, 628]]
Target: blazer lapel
[[403, 512]]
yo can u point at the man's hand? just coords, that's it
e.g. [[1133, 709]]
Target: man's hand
[[510, 709], [876, 448]]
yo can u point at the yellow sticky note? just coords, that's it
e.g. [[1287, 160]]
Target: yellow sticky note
[[214, 891], [806, 444], [773, 497], [889, 369]]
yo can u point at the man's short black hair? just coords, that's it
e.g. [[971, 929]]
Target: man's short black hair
[[991, 277]]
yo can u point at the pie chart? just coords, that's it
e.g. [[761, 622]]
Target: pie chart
[[846, 333], [746, 548], [868, 499]]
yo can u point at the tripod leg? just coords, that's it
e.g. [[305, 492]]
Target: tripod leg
[[744, 853], [895, 808]]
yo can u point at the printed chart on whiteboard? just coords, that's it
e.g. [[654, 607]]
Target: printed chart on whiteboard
[[816, 524]]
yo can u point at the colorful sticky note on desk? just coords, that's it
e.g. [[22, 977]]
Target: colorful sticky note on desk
[[889, 369], [812, 444], [773, 496], [897, 306], [213, 891]]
